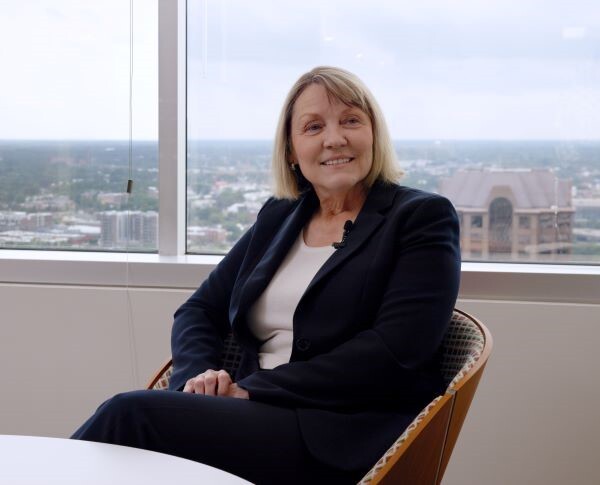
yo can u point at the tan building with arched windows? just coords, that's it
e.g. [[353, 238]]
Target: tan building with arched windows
[[514, 214]]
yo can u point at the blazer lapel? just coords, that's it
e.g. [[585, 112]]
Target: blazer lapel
[[371, 216], [270, 261], [368, 220]]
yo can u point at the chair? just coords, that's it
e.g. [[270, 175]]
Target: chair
[[421, 454]]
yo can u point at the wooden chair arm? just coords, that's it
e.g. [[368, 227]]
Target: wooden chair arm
[[156, 377]]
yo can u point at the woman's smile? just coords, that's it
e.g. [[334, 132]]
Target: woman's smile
[[337, 161]]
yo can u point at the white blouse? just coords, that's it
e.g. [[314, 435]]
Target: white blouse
[[272, 315]]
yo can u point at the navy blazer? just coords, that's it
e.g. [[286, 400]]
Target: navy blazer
[[367, 330]]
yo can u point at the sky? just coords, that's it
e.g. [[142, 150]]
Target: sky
[[440, 69]]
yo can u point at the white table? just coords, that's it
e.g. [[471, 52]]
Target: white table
[[34, 460]]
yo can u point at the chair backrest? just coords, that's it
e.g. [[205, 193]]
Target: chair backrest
[[421, 454]]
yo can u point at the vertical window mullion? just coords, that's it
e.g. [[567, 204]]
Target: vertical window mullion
[[172, 126]]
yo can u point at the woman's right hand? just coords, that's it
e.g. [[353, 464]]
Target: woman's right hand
[[211, 383]]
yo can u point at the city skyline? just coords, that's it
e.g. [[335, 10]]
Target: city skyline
[[72, 196]]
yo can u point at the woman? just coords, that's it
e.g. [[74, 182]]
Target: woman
[[339, 297]]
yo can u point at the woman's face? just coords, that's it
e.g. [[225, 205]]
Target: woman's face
[[332, 142]]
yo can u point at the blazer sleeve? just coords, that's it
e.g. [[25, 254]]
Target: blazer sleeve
[[202, 322], [390, 361]]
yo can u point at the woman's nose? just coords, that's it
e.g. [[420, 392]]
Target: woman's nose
[[334, 137]]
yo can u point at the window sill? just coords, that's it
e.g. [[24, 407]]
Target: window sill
[[104, 269], [531, 282], [480, 281]]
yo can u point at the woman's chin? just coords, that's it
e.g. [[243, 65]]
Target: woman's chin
[[341, 186]]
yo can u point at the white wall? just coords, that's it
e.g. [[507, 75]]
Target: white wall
[[534, 419], [64, 349]]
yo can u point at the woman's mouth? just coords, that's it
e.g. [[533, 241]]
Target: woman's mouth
[[337, 161]]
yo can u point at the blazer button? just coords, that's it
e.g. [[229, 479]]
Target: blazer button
[[302, 344]]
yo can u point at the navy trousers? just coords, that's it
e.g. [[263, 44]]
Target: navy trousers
[[256, 441]]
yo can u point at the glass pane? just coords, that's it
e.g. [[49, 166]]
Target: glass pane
[[64, 125], [489, 103]]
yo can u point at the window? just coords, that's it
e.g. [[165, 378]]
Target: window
[[524, 240], [64, 152], [546, 222], [484, 100], [500, 226], [428, 158], [524, 222]]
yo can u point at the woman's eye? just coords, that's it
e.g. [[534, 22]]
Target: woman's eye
[[352, 121], [313, 127]]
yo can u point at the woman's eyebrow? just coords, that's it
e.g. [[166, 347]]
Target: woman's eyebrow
[[307, 115], [353, 109]]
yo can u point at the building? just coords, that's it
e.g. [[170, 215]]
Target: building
[[198, 235], [124, 229], [147, 229], [36, 221], [11, 220], [113, 228], [512, 214]]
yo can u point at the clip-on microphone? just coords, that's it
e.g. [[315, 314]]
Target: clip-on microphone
[[347, 228]]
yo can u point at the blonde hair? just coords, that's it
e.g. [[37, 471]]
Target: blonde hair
[[350, 90]]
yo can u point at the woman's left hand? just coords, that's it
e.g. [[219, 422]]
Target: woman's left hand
[[215, 383]]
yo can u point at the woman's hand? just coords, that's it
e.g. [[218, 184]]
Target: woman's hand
[[215, 383]]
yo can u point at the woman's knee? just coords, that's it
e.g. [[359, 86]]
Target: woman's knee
[[118, 420], [124, 404], [116, 408]]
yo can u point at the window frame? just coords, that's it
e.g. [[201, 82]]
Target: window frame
[[173, 268], [172, 127]]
